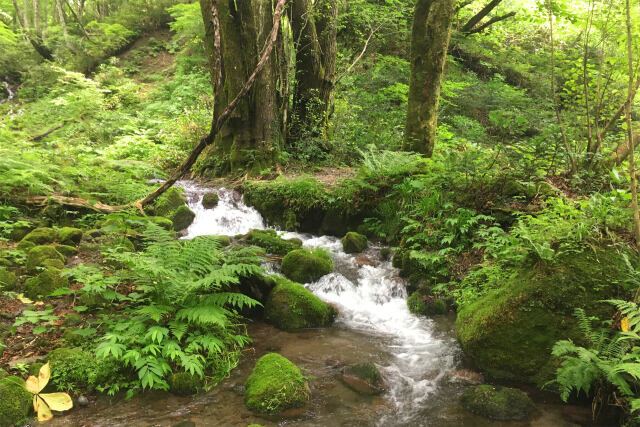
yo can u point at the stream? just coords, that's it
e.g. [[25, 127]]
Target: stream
[[418, 357]]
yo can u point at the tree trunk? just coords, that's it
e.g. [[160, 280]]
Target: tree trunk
[[429, 43], [251, 138], [314, 27], [632, 168], [36, 19]]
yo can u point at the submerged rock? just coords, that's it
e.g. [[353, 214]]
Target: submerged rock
[[271, 242], [210, 200], [497, 403], [364, 378], [15, 401], [291, 306], [274, 385], [304, 265], [354, 242]]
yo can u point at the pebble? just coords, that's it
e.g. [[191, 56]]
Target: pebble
[[83, 401]]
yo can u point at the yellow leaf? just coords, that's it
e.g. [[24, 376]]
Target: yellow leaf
[[24, 299], [624, 324], [44, 413], [33, 386], [43, 376], [58, 401], [35, 403]]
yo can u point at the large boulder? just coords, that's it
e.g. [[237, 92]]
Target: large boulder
[[172, 205], [15, 401], [182, 218], [291, 306], [44, 283], [364, 378], [497, 403], [70, 236], [304, 265], [271, 242], [41, 236], [353, 242], [509, 332], [44, 256], [274, 385]]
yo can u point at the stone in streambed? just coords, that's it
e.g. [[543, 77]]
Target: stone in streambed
[[304, 265], [276, 384], [271, 242], [210, 200], [364, 378], [354, 242], [497, 403]]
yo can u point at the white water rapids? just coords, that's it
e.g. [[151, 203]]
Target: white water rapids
[[371, 299]]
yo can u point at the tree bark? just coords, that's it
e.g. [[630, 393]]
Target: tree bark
[[470, 26], [429, 43], [35, 41], [632, 168], [314, 28], [251, 138]]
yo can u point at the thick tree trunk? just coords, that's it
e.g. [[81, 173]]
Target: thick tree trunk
[[251, 138], [429, 43], [314, 27]]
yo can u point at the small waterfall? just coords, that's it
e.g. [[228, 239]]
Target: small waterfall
[[10, 94], [371, 298]]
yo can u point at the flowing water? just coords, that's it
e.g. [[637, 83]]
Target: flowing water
[[417, 356]]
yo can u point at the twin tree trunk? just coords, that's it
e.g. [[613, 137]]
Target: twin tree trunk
[[429, 43]]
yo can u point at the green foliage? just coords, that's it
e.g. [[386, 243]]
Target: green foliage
[[75, 369]]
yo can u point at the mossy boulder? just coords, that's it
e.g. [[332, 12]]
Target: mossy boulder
[[15, 401], [161, 221], [169, 201], [37, 256], [353, 242], [70, 236], [3, 373], [423, 303], [210, 200], [20, 230], [41, 236], [274, 385], [182, 218], [44, 283], [8, 280], [271, 242], [71, 338], [184, 383], [364, 378], [75, 369], [66, 250], [291, 306], [304, 265], [509, 332], [25, 245], [497, 403]]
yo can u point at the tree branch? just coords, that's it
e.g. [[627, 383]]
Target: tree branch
[[475, 20], [359, 57], [490, 22]]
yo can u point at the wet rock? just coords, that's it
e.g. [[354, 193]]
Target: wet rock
[[304, 265], [354, 242], [271, 242], [497, 403], [275, 384], [364, 378], [291, 306], [362, 259], [210, 200], [83, 401], [466, 377]]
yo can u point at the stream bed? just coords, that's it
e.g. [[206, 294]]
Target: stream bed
[[418, 357]]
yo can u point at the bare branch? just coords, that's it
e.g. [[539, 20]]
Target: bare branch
[[490, 22], [359, 57]]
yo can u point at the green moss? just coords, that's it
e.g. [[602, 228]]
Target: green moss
[[291, 306], [210, 200], [423, 303], [20, 230], [72, 339], [3, 373], [163, 222], [271, 242], [69, 236], [304, 265], [169, 201], [25, 245], [15, 401], [66, 250], [75, 369], [509, 332], [354, 242], [41, 236], [182, 218], [497, 403], [34, 368], [274, 385], [8, 280], [38, 254], [44, 283], [184, 383]]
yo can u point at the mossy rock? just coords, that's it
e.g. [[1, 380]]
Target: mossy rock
[[271, 242], [423, 303], [510, 331], [25, 245], [92, 300], [304, 265], [354, 242], [20, 230], [15, 401], [274, 385], [184, 383], [41, 236], [3, 373], [364, 378], [291, 306], [169, 201], [75, 369], [94, 233], [414, 266], [38, 254], [66, 250], [545, 190], [385, 254], [70, 236], [72, 339], [210, 200], [161, 221], [182, 218], [8, 280], [44, 283], [497, 403]]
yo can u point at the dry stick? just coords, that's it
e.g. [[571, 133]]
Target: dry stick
[[359, 57], [217, 123], [632, 170], [574, 168]]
